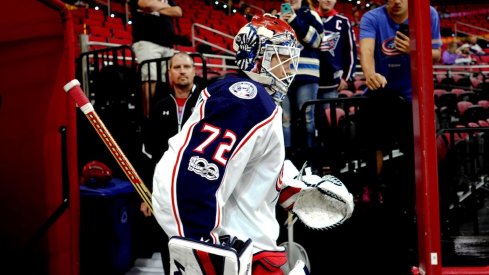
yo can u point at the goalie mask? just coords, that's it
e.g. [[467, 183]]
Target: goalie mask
[[266, 50]]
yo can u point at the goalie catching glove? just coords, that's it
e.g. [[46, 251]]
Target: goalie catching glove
[[320, 203]]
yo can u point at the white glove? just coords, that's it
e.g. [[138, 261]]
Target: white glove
[[325, 204]]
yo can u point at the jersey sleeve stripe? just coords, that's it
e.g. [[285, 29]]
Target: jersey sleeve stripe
[[253, 131], [174, 176]]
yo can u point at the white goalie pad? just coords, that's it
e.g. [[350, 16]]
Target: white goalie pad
[[190, 257], [325, 204]]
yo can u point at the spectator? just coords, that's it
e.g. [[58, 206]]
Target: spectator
[[168, 116], [337, 66], [245, 11], [309, 29], [452, 56], [357, 14], [273, 12], [338, 51], [240, 18], [385, 60], [153, 37], [171, 112], [385, 51], [471, 46]]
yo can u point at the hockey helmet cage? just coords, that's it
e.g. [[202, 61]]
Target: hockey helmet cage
[[257, 43]]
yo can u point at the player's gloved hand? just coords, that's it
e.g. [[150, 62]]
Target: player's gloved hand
[[325, 204], [320, 203]]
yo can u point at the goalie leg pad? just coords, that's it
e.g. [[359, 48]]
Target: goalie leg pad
[[202, 258]]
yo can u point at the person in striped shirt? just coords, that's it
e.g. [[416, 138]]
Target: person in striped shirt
[[309, 29]]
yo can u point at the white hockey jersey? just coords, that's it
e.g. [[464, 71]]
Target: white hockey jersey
[[220, 175]]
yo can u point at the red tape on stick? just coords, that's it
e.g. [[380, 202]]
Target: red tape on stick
[[75, 91]]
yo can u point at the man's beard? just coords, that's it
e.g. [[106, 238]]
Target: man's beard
[[183, 85]]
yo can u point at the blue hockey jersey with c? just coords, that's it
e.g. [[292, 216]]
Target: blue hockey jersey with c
[[338, 51], [220, 174]]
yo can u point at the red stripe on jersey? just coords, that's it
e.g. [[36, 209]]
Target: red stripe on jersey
[[175, 167], [205, 96], [270, 119], [173, 181]]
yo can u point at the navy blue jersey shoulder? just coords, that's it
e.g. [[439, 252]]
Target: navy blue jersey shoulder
[[246, 99]]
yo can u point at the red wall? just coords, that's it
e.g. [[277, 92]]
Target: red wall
[[36, 60]]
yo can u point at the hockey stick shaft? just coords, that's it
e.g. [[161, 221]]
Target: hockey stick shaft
[[75, 91]]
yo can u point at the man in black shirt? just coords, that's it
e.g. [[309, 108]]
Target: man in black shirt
[[153, 37], [170, 113]]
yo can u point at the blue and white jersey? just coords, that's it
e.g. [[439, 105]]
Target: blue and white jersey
[[338, 51], [220, 173], [390, 62], [309, 30]]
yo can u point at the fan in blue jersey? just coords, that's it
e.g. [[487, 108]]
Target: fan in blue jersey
[[220, 179], [338, 51], [309, 29]]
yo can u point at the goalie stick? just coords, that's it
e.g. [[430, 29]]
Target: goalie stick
[[75, 91]]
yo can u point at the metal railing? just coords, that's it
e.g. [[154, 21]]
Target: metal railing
[[90, 63], [203, 41], [484, 30], [256, 8]]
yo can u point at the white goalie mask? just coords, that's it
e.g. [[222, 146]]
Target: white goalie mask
[[266, 50]]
